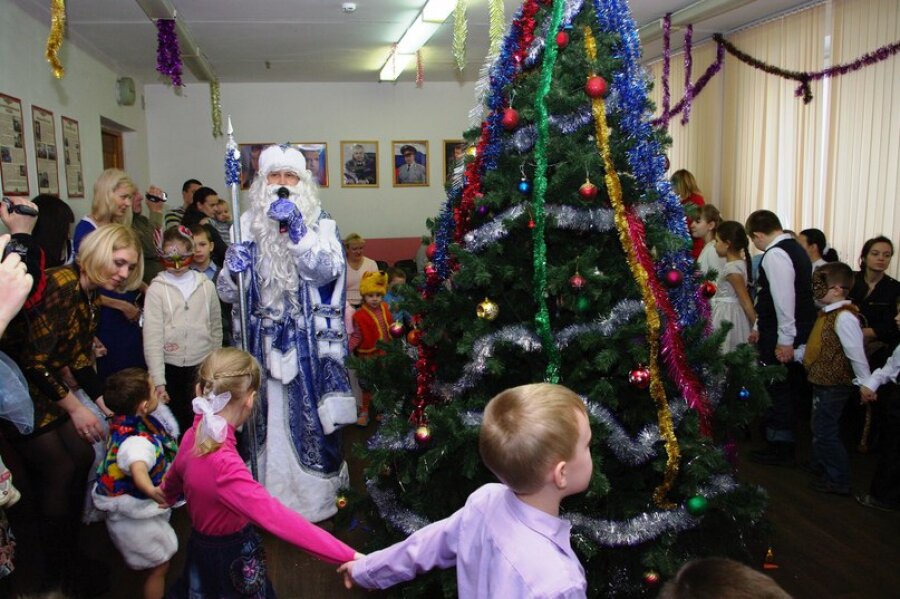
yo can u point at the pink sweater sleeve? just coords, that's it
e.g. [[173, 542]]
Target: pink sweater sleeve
[[172, 484], [242, 494]]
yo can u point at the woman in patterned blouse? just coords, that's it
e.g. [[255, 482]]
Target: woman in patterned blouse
[[58, 454]]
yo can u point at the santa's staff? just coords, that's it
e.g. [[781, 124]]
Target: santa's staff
[[233, 181]]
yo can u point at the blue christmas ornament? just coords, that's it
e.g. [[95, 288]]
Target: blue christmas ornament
[[744, 394], [524, 186]]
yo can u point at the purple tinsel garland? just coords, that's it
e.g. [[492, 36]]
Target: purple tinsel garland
[[168, 54], [667, 59], [698, 87], [688, 86]]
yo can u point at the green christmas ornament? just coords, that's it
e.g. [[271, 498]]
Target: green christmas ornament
[[697, 505], [582, 304]]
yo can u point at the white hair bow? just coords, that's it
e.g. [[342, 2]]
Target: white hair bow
[[214, 427]]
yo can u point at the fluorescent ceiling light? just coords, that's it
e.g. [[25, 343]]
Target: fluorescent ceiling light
[[694, 13], [416, 36], [437, 11], [395, 64]]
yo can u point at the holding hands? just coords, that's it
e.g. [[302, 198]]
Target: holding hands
[[346, 570]]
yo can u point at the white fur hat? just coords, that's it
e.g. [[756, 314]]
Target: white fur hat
[[281, 158]]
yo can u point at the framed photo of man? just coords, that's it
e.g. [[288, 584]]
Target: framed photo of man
[[316, 154], [250, 161], [410, 163], [454, 155], [359, 160]]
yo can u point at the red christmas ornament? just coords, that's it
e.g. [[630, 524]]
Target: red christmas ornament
[[595, 86], [587, 191], [562, 39], [708, 289], [651, 578], [510, 119], [639, 377], [414, 336], [396, 329], [531, 223], [430, 271], [423, 435], [577, 282], [430, 250], [341, 502], [674, 278]]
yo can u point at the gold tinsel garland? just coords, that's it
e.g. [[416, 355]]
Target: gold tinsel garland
[[216, 100], [460, 31], [54, 40], [641, 276]]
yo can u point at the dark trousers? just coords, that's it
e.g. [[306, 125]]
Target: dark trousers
[[828, 447], [180, 383], [886, 481]]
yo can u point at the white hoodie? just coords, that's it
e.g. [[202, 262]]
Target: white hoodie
[[180, 329]]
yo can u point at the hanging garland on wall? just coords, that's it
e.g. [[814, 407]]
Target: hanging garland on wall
[[168, 53], [804, 77], [55, 39], [692, 90]]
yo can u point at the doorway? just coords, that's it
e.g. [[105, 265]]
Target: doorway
[[113, 152]]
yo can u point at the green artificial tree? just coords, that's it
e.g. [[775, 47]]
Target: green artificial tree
[[561, 255]]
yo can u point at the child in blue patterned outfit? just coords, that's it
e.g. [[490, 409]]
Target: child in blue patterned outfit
[[140, 448]]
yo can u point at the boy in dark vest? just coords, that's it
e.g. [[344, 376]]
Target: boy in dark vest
[[835, 360], [785, 314]]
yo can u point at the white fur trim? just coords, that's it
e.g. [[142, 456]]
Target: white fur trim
[[336, 410], [277, 158], [135, 449], [308, 493], [139, 529]]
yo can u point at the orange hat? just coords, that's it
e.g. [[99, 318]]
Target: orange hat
[[373, 282]]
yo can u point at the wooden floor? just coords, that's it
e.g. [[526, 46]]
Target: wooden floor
[[825, 546]]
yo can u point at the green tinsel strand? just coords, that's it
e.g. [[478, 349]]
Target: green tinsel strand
[[542, 318]]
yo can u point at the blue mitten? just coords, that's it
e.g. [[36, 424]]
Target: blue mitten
[[286, 213], [238, 257]]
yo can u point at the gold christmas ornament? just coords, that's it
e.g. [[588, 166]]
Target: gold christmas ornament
[[487, 310]]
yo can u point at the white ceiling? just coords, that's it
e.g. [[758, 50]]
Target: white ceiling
[[314, 40]]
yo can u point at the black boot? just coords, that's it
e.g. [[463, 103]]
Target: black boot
[[775, 454]]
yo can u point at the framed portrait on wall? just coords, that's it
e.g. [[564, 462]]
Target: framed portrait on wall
[[454, 155], [316, 154], [410, 160], [250, 161], [45, 148], [359, 160], [72, 158], [13, 162]]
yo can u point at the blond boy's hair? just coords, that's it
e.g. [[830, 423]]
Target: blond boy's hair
[[95, 256], [718, 578], [231, 370], [527, 430]]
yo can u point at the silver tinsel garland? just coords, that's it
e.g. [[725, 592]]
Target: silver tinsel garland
[[639, 450], [398, 517], [571, 9], [524, 137], [618, 316], [566, 217], [606, 533], [649, 525], [483, 349]]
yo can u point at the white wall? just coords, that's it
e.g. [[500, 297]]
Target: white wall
[[86, 93], [181, 145]]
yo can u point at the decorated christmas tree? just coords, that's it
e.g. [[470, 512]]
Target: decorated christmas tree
[[562, 255]]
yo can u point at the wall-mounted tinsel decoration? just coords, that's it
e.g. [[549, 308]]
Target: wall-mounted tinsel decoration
[[54, 40], [497, 25], [460, 31], [688, 65], [216, 101], [420, 69], [168, 54]]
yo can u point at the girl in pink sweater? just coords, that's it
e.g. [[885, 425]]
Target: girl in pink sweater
[[225, 554]]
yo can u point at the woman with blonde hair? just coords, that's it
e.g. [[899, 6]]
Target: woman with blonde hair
[[119, 331], [58, 454], [685, 185]]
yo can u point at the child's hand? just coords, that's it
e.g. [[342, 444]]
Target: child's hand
[[866, 395], [753, 338], [346, 569], [162, 396], [157, 495]]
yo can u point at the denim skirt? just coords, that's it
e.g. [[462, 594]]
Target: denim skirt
[[224, 567]]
